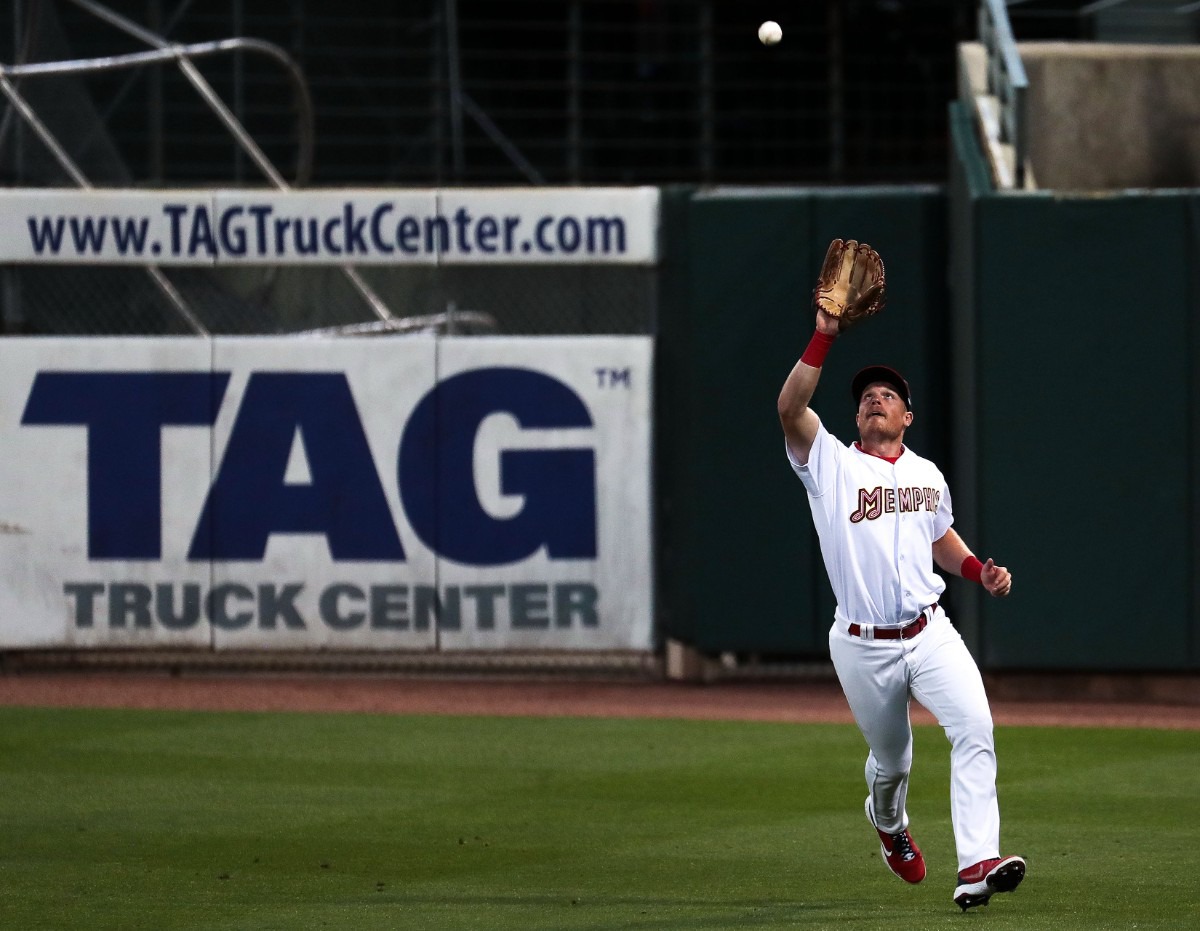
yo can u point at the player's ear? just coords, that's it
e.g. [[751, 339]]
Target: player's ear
[[908, 418]]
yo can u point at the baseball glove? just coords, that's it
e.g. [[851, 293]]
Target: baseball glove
[[852, 286]]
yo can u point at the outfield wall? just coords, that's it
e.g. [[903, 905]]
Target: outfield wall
[[1064, 413], [1077, 417], [1053, 349]]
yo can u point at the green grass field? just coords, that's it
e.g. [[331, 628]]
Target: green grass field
[[162, 820]]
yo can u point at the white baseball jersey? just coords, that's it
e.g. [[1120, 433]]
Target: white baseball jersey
[[877, 522]]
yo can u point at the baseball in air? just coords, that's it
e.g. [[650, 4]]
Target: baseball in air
[[769, 32]]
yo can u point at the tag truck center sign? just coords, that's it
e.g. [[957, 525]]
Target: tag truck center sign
[[373, 493], [452, 226]]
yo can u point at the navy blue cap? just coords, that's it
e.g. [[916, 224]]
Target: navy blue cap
[[889, 376]]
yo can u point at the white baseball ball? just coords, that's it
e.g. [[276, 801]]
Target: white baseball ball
[[769, 32]]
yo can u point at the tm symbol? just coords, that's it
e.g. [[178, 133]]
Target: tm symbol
[[613, 378]]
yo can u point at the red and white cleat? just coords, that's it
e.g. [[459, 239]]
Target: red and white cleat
[[900, 852], [978, 883]]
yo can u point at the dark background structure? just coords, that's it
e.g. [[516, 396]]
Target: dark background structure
[[593, 92]]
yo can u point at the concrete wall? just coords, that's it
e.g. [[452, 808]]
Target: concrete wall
[[1108, 117], [1100, 117]]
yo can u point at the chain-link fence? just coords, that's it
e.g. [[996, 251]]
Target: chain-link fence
[[52, 133], [471, 92], [459, 92], [515, 300]]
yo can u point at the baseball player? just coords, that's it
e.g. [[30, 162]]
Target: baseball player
[[883, 516]]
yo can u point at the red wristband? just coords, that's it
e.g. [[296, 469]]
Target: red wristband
[[818, 349], [972, 569]]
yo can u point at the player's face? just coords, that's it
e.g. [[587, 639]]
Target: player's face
[[881, 413]]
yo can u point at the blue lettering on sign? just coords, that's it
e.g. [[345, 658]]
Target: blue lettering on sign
[[559, 485], [124, 413], [251, 498]]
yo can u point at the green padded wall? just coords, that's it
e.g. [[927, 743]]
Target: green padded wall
[[1077, 419], [739, 566], [1052, 345], [1084, 415]]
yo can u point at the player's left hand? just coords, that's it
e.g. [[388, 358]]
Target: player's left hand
[[852, 285], [996, 579]]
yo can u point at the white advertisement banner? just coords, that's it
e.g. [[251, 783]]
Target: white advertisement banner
[[460, 226], [372, 493]]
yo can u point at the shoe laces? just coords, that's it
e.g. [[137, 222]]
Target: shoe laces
[[902, 845]]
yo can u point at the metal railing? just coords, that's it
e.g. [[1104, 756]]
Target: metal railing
[[182, 55], [1006, 81]]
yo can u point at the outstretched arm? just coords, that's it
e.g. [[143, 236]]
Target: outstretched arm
[[850, 287], [795, 416], [952, 555]]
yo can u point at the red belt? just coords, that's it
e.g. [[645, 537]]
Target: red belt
[[907, 632]]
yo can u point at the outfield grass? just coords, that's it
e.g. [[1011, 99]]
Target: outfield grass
[[163, 820]]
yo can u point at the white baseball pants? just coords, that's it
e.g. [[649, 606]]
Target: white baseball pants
[[935, 667]]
